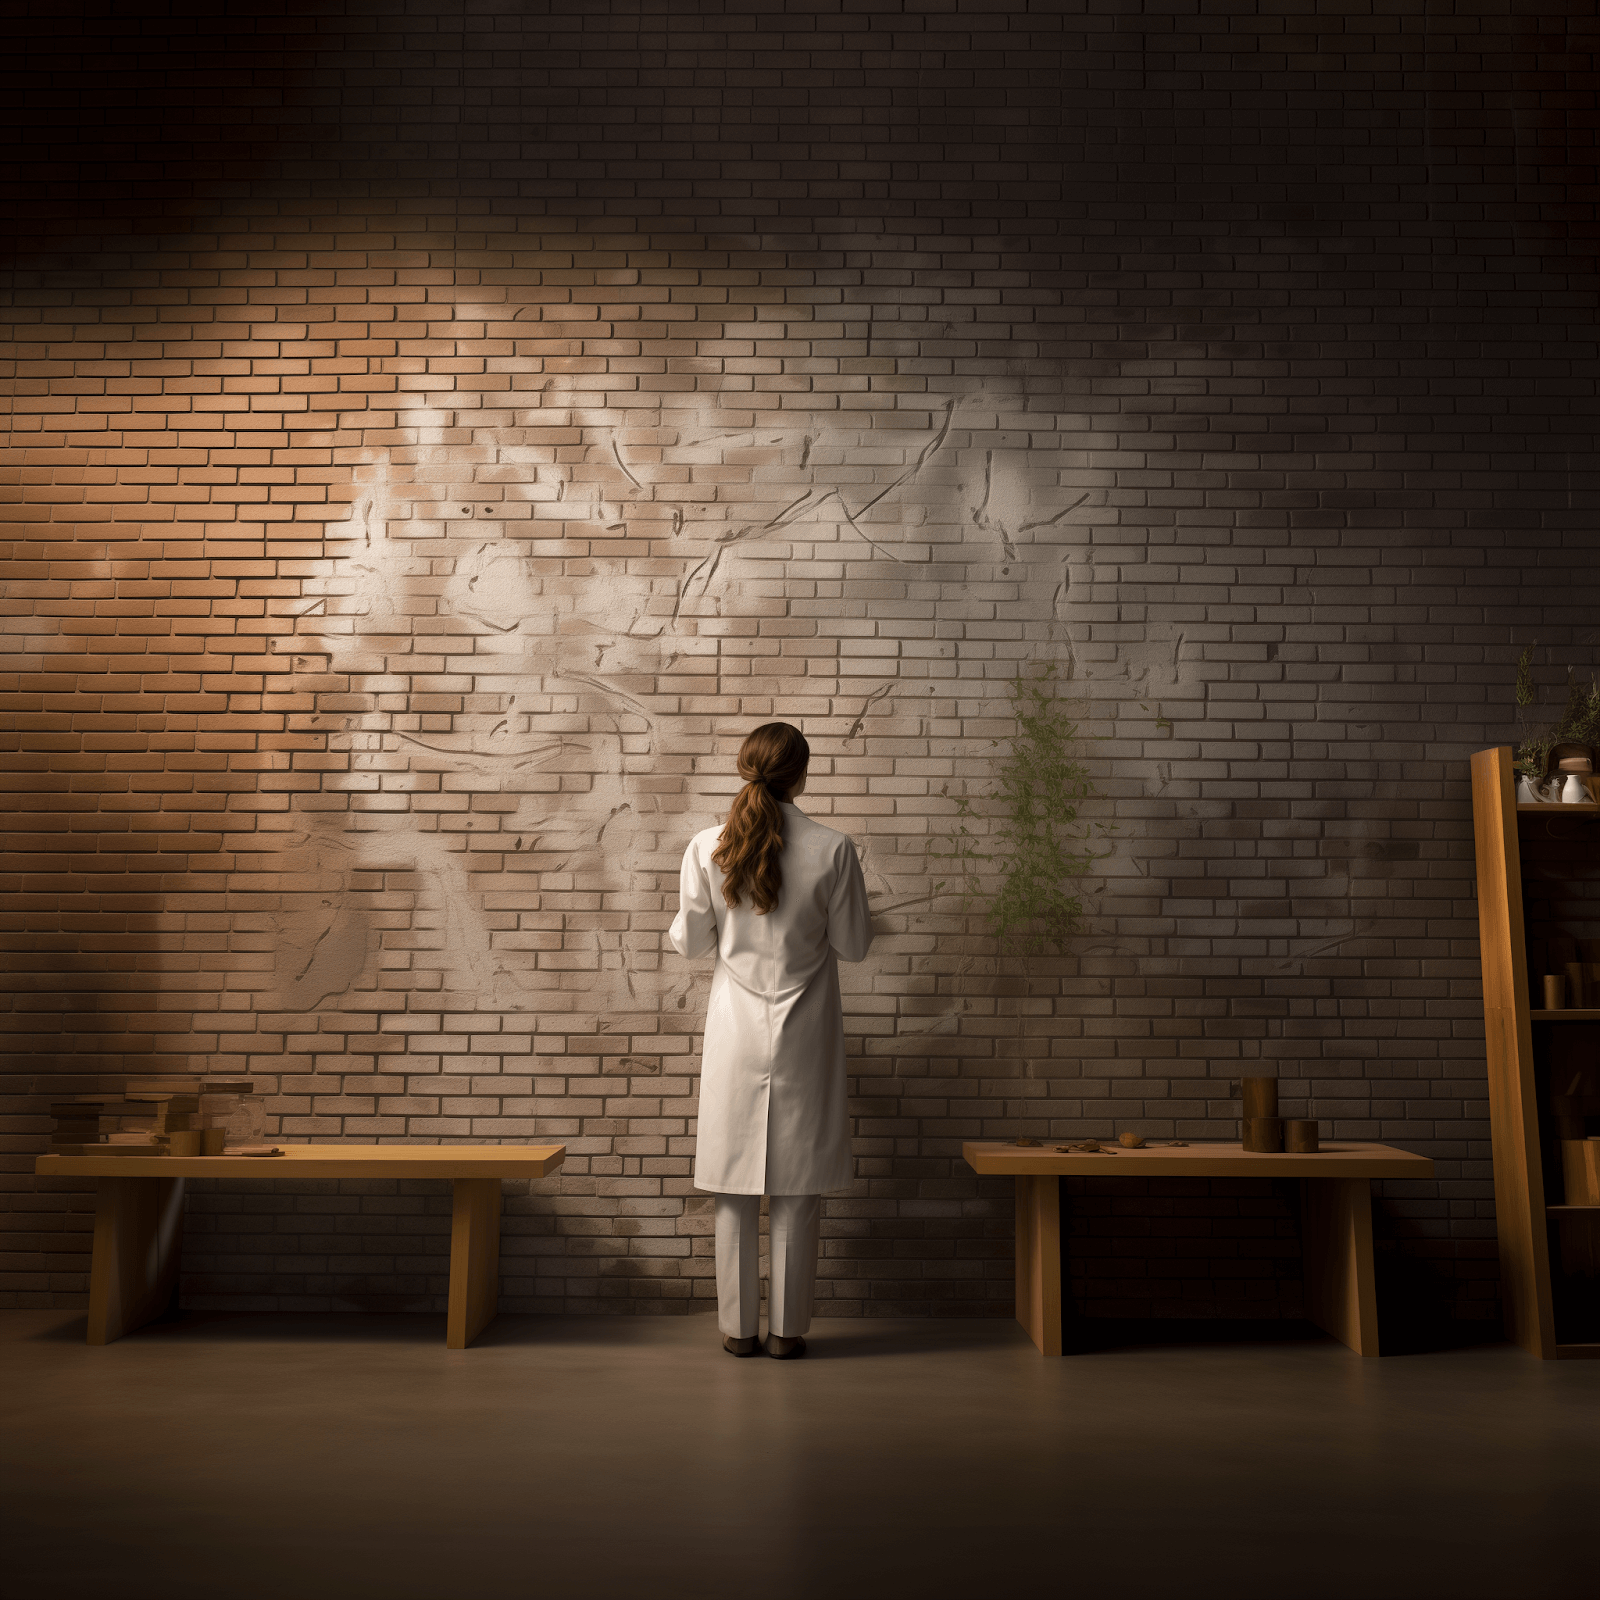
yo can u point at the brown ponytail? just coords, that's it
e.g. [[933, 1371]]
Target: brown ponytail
[[772, 761]]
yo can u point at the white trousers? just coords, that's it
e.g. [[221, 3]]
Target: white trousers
[[792, 1273]]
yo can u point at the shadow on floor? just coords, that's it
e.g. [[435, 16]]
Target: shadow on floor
[[1089, 1335], [287, 1327], [867, 1339]]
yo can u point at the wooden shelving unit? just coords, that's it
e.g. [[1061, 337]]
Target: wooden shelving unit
[[1539, 1312]]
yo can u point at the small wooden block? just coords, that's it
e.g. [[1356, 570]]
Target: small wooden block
[[1580, 1171], [1263, 1134]]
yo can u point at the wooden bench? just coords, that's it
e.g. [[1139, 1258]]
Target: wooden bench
[[1336, 1218], [138, 1219]]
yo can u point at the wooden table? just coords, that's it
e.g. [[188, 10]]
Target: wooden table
[[1336, 1218], [138, 1218]]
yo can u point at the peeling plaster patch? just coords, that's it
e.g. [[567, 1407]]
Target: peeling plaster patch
[[491, 586], [510, 644]]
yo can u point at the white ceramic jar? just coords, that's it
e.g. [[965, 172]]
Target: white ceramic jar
[[1576, 789]]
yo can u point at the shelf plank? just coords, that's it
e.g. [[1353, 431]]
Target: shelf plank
[[1567, 1014], [1508, 1045], [1578, 1352], [1560, 808]]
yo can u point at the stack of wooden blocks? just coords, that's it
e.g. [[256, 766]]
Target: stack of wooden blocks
[[91, 1125], [173, 1119], [1262, 1129], [142, 1122]]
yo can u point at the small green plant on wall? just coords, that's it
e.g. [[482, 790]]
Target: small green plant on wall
[[1024, 838], [1579, 722]]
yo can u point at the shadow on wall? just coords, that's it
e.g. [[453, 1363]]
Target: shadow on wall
[[73, 1018]]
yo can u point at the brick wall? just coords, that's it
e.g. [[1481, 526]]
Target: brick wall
[[436, 435]]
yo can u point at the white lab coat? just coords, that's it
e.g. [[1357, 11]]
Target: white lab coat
[[773, 1112]]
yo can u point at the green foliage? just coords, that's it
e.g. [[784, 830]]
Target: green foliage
[[1580, 718], [1526, 693], [1028, 848], [1579, 722]]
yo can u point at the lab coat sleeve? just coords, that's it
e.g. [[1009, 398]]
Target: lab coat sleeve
[[694, 929], [849, 916]]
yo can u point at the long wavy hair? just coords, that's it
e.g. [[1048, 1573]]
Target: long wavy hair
[[772, 761]]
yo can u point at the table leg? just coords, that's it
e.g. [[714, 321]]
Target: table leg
[[133, 1274], [474, 1259], [1336, 1236], [1039, 1261]]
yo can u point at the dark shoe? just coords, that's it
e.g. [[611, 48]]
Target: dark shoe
[[785, 1349], [741, 1347]]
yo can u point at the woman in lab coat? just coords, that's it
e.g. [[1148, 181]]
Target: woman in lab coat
[[781, 900]]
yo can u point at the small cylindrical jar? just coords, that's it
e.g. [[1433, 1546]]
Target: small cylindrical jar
[[1555, 992], [1263, 1134], [1260, 1097], [1300, 1136]]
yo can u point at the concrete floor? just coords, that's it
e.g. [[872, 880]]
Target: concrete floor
[[231, 1457]]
